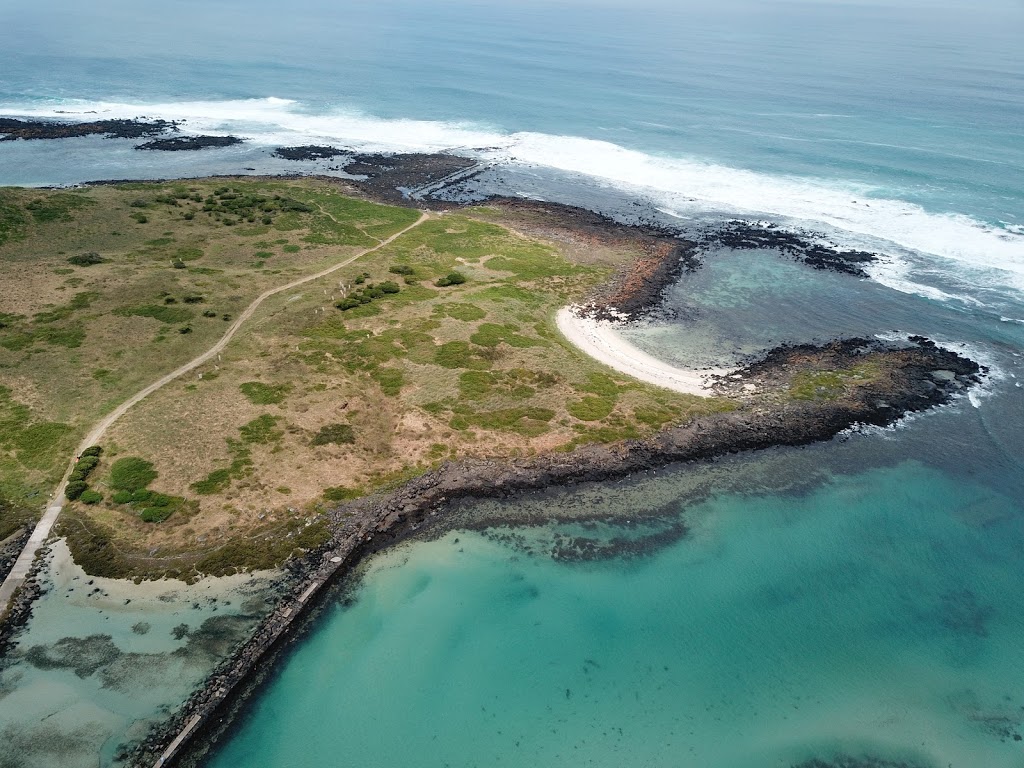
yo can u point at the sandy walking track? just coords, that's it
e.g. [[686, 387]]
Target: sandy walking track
[[42, 530]]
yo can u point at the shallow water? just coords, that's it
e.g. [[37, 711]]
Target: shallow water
[[103, 660], [809, 612]]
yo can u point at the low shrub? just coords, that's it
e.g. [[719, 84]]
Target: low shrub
[[75, 488], [155, 514], [131, 474], [89, 496], [122, 497], [389, 286], [86, 259], [402, 269], [452, 278]]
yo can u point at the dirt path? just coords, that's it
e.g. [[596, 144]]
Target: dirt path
[[42, 530]]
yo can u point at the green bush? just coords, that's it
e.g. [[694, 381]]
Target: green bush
[[346, 304], [402, 269], [122, 497], [389, 286], [131, 474], [89, 496], [87, 463], [334, 433], [140, 495], [75, 489], [92, 450], [155, 514], [452, 278]]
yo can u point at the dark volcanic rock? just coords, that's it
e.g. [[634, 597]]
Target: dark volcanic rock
[[54, 129], [745, 235], [400, 178], [190, 143], [308, 152]]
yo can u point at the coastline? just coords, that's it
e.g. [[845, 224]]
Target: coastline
[[921, 376], [597, 337], [369, 525]]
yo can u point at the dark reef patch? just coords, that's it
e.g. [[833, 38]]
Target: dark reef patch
[[83, 655], [404, 178], [12, 129], [189, 143], [747, 235], [845, 761], [308, 152]]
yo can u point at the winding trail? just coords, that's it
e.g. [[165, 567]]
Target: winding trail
[[42, 530]]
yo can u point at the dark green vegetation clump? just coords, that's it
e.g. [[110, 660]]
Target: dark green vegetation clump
[[338, 434], [259, 393], [452, 278], [86, 259], [367, 294], [131, 474]]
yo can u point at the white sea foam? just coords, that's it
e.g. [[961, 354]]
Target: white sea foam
[[977, 254]]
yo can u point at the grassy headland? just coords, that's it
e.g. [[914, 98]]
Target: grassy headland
[[440, 346]]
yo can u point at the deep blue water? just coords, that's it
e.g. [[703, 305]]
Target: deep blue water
[[859, 597]]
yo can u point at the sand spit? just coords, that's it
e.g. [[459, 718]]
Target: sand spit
[[598, 338]]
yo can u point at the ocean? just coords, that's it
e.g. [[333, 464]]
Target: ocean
[[856, 600]]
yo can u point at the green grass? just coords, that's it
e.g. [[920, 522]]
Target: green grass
[[390, 380], [162, 312], [337, 434], [220, 479], [259, 393], [57, 206], [591, 408], [527, 421], [493, 334], [12, 217], [461, 354], [342, 493], [829, 385], [261, 430], [466, 312]]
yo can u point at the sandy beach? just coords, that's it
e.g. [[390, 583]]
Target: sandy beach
[[599, 339]]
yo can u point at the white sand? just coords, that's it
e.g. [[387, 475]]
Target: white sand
[[599, 340]]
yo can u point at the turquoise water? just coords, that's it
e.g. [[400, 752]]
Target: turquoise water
[[872, 614]]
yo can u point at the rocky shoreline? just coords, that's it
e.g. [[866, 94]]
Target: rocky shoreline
[[12, 129], [189, 143], [917, 376]]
